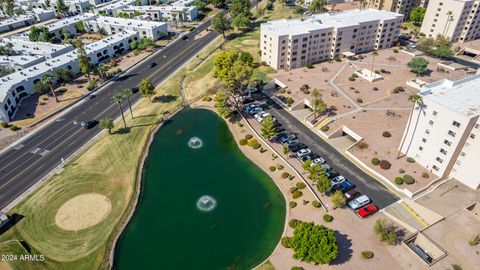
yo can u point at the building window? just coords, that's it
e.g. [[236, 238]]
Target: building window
[[420, 148], [455, 123], [472, 136], [451, 133], [424, 140], [458, 162], [430, 122], [462, 154], [427, 131], [443, 151], [435, 168], [447, 142], [439, 160]]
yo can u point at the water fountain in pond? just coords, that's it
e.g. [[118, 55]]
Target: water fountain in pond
[[206, 203], [195, 143]]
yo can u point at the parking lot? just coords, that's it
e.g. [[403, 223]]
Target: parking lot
[[365, 184]]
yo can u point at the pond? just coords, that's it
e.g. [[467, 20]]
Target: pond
[[203, 204]]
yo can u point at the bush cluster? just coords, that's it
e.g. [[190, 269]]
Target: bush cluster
[[300, 185], [401, 170], [375, 161], [327, 218], [362, 145], [410, 160], [398, 89], [272, 168], [385, 164], [408, 179], [256, 146], [386, 134], [292, 204], [248, 136], [286, 241], [316, 204], [325, 128], [292, 223], [4, 124], [399, 180], [14, 128], [359, 100], [425, 175], [367, 254], [285, 175], [242, 142], [297, 194]]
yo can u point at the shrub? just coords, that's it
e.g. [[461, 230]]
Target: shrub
[[300, 185], [293, 189], [367, 254], [44, 98], [401, 170], [208, 99], [280, 167], [327, 218], [41, 103], [4, 124], [395, 50], [359, 100], [325, 128], [338, 200], [292, 223], [398, 89], [14, 128], [285, 175], [408, 179], [291, 177], [375, 88], [289, 101], [410, 160], [386, 232], [375, 161], [456, 267], [362, 145], [425, 175], [316, 204], [351, 79], [256, 146], [385, 164], [354, 75], [474, 240], [297, 194], [309, 65], [62, 90], [248, 136], [242, 142], [286, 241], [386, 134], [272, 168], [399, 180], [297, 268], [292, 204]]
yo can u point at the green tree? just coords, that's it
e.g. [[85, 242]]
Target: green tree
[[426, 44], [118, 98], [80, 27], [217, 3], [317, 103], [199, 4], [268, 128], [9, 7], [417, 100], [324, 184], [107, 123], [222, 104], [133, 44], [338, 200], [126, 95], [418, 65], [317, 6], [314, 243], [221, 23], [146, 89], [385, 231], [286, 150], [7, 49], [102, 70], [417, 14], [65, 34], [40, 88], [47, 3], [47, 80], [240, 7], [61, 7], [241, 21], [85, 65]]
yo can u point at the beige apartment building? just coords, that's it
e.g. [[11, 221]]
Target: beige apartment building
[[457, 20], [399, 6], [287, 44], [443, 133]]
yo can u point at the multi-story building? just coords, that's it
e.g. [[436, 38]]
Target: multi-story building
[[457, 20], [164, 12], [287, 44], [16, 22], [109, 47], [399, 6], [45, 49], [443, 133], [149, 29]]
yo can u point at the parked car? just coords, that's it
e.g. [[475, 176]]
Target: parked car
[[318, 160], [337, 180], [332, 174], [89, 124], [255, 110], [352, 194], [296, 146], [303, 152], [326, 167], [261, 116], [344, 186], [285, 137], [245, 100], [249, 90], [367, 210], [134, 90], [279, 129], [249, 107], [152, 64], [311, 156], [359, 202]]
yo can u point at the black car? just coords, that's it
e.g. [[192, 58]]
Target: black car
[[134, 90], [332, 174], [185, 37], [152, 64], [89, 124], [296, 146]]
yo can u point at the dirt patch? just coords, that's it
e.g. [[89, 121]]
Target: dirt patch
[[5, 266], [250, 42], [83, 211]]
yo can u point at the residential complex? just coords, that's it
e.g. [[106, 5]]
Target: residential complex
[[149, 29], [164, 12], [457, 20], [287, 44], [443, 133], [401, 6]]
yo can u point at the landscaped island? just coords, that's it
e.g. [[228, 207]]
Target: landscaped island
[[203, 205]]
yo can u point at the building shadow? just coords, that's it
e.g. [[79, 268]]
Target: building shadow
[[165, 98], [344, 248], [14, 219]]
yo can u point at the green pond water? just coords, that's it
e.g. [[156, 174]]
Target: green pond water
[[243, 214]]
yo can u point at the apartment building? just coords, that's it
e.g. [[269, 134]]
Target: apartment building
[[44, 49], [109, 47], [399, 6], [457, 20], [165, 12], [113, 8], [16, 22], [287, 44], [443, 133], [149, 29]]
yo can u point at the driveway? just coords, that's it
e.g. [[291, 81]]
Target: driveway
[[367, 185]]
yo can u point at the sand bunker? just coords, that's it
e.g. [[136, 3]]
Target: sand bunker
[[83, 211]]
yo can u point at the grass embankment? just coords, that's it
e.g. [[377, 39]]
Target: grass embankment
[[265, 266], [109, 167]]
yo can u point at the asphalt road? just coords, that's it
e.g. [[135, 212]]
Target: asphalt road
[[366, 185], [36, 156]]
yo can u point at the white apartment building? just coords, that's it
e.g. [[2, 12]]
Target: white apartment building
[[165, 12], [149, 29], [443, 133], [287, 44], [457, 20], [16, 22], [19, 62], [45, 49], [399, 6], [109, 47], [113, 8]]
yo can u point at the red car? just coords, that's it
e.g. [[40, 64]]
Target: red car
[[367, 210]]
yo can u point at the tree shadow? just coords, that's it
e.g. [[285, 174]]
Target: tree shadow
[[124, 77], [344, 248], [121, 131], [165, 98]]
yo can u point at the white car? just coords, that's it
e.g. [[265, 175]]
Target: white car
[[337, 180], [255, 110], [318, 161], [303, 152], [359, 202], [260, 116]]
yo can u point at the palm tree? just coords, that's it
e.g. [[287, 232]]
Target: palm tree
[[374, 54], [417, 100], [47, 80], [126, 94], [317, 103], [118, 98], [174, 18], [363, 3], [102, 70], [447, 22]]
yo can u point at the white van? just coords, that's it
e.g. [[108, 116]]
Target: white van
[[359, 202]]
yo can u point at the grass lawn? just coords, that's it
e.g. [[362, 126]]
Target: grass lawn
[[109, 167], [411, 26], [266, 266]]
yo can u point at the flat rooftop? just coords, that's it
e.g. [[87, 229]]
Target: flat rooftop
[[16, 19], [26, 47], [103, 20], [103, 43], [70, 20], [159, 8], [116, 4], [329, 20], [19, 59], [461, 96]]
